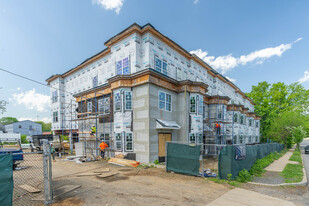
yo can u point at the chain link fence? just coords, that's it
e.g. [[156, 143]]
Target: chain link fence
[[32, 179]]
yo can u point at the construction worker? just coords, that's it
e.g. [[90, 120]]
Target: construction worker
[[218, 127], [102, 147], [93, 130], [52, 151]]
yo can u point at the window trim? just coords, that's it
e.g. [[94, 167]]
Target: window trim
[[165, 94], [125, 100], [125, 142]]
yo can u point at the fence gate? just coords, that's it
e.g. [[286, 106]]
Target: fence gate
[[33, 178]]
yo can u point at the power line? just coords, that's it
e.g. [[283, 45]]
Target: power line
[[32, 80]]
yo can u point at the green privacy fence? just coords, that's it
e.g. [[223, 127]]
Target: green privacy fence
[[183, 158], [6, 179], [233, 159]]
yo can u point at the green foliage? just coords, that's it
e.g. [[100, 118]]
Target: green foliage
[[23, 139], [273, 100], [63, 137], [156, 162], [292, 173], [298, 134], [258, 167], [223, 181], [296, 156], [46, 127], [8, 120], [244, 176]]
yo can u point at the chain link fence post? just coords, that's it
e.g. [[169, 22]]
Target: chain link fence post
[[47, 170]]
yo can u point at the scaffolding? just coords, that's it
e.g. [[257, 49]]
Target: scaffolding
[[93, 111]]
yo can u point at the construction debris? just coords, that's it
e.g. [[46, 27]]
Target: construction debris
[[30, 189], [209, 173], [88, 174], [102, 171], [123, 162], [107, 175]]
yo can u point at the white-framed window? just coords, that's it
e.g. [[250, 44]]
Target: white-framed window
[[220, 111], [256, 124], [241, 119], [199, 138], [128, 100], [117, 101], [240, 139], [192, 104], [89, 106], [106, 105], [55, 116], [101, 105], [192, 138], [118, 141], [54, 96], [158, 64], [165, 101], [250, 122], [164, 68], [235, 118], [179, 74], [128, 142], [123, 66], [235, 139], [95, 81], [200, 105]]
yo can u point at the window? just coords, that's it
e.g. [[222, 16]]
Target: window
[[117, 101], [89, 106], [55, 117], [241, 139], [95, 81], [118, 141], [158, 65], [235, 118], [54, 96], [123, 66], [128, 100], [165, 101], [129, 142], [192, 138], [200, 105], [101, 105], [164, 68], [179, 74], [106, 105], [235, 139], [161, 100], [256, 124], [168, 106], [19, 126], [241, 119], [250, 122], [199, 138], [30, 127], [192, 104]]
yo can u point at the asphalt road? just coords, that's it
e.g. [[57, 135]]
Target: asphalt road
[[304, 143]]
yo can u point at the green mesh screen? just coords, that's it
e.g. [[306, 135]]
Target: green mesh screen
[[6, 179], [182, 158], [229, 165]]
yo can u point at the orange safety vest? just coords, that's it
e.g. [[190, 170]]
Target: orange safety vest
[[103, 145]]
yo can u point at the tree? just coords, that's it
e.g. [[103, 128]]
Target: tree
[[8, 120], [273, 100], [46, 127], [298, 135], [23, 139]]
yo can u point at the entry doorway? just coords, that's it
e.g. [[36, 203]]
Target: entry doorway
[[163, 138]]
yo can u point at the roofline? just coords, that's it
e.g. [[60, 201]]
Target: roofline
[[136, 28]]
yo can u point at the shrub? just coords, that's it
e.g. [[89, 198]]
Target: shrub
[[156, 162], [244, 176]]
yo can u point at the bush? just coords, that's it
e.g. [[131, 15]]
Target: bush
[[156, 162], [23, 139], [244, 176]]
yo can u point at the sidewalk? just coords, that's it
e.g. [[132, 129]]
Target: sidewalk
[[241, 197], [272, 175]]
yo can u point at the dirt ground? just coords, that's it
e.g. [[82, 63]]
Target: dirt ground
[[132, 186], [150, 186]]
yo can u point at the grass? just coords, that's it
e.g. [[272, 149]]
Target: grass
[[292, 173], [223, 181], [296, 156], [258, 167]]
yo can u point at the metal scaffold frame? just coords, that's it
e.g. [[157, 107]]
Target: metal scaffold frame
[[84, 122]]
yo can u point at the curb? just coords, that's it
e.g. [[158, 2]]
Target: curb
[[304, 182]]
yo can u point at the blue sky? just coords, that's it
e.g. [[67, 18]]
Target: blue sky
[[247, 41]]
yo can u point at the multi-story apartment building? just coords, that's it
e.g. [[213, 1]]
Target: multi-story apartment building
[[144, 90]]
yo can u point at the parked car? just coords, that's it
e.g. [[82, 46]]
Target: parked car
[[37, 144], [13, 147], [307, 149]]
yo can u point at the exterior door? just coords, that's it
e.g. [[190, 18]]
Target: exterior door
[[163, 138]]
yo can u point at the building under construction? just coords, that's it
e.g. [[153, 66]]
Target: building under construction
[[144, 90]]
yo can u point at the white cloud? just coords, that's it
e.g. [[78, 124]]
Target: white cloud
[[196, 1], [228, 62], [110, 4], [44, 119], [231, 79], [305, 78], [32, 100], [18, 88]]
